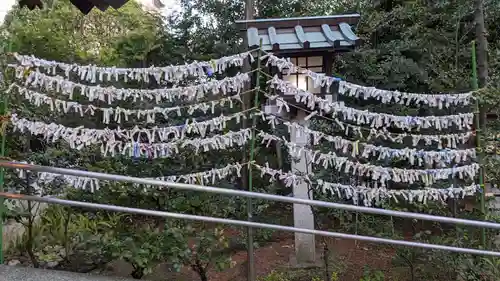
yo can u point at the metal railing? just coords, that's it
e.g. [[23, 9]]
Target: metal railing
[[247, 194]]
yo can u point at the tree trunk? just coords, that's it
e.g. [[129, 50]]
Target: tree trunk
[[198, 268], [67, 239], [247, 98], [481, 51], [247, 103], [29, 243], [138, 273], [326, 256]]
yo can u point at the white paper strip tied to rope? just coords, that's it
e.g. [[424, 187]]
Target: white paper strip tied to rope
[[440, 100], [355, 148], [374, 120], [44, 178], [110, 94], [385, 96], [81, 137], [419, 157], [118, 114], [369, 196], [94, 74], [169, 149], [289, 179], [375, 173], [206, 177], [375, 196], [91, 184], [442, 141]]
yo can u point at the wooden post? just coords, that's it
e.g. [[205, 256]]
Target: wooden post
[[251, 258], [246, 173], [477, 113]]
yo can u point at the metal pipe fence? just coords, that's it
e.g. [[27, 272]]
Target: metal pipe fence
[[242, 193], [144, 212], [191, 187]]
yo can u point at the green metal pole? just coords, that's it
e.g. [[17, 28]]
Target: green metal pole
[[482, 194], [3, 113], [251, 258], [3, 128]]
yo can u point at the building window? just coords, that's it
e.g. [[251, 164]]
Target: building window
[[302, 81]]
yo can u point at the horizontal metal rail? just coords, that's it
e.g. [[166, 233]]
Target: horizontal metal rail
[[225, 191], [247, 224]]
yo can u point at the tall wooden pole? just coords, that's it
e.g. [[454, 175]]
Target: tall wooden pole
[[247, 174], [482, 44], [480, 56], [249, 9], [481, 53], [477, 113], [251, 258]]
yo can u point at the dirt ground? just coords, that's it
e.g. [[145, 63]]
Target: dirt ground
[[348, 259]]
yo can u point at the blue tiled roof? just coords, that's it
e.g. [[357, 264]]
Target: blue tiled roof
[[296, 34]]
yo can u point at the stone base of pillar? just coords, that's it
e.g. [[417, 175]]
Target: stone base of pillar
[[318, 263]]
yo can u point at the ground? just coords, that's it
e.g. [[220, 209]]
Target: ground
[[12, 273], [349, 257]]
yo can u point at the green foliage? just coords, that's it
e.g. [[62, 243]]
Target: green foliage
[[78, 37], [21, 242], [282, 276], [491, 268], [206, 250], [65, 234], [370, 275], [275, 276], [129, 37], [445, 265], [145, 247]]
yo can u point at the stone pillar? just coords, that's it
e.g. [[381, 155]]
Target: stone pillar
[[305, 246]]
